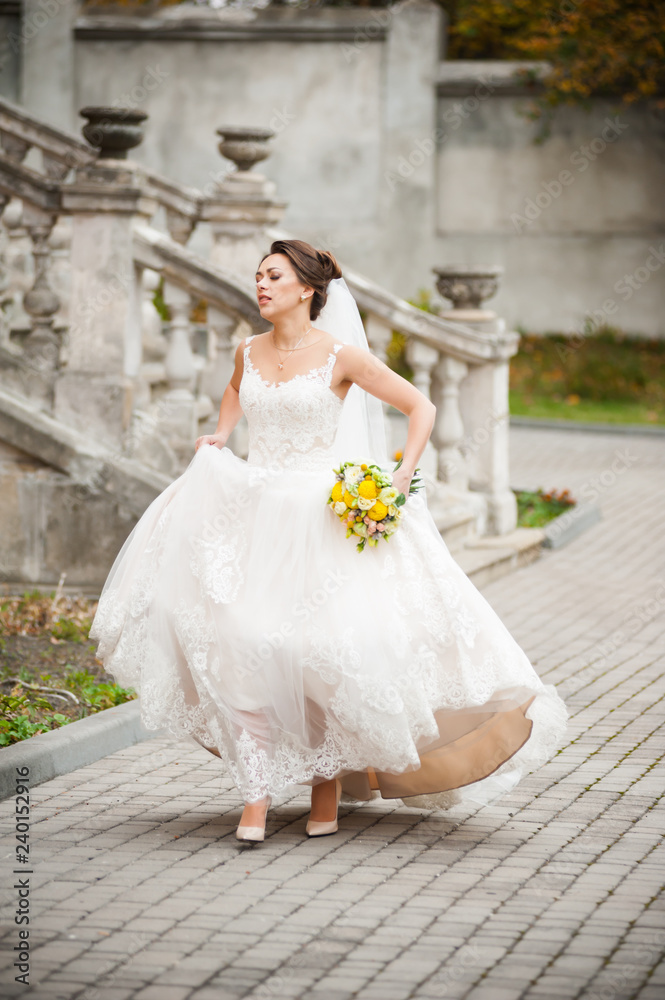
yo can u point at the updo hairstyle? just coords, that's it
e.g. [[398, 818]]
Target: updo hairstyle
[[314, 268]]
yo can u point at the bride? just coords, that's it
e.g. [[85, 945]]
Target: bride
[[248, 621]]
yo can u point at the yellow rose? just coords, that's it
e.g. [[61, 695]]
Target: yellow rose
[[349, 499], [338, 491], [378, 511], [367, 489]]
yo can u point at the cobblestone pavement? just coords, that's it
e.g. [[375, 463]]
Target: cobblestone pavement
[[140, 889]]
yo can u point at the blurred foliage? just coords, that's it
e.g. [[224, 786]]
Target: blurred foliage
[[34, 613], [557, 374], [159, 303], [597, 48], [536, 507]]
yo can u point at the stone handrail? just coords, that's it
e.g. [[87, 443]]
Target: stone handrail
[[180, 266], [455, 339], [61, 150], [19, 181], [183, 205]]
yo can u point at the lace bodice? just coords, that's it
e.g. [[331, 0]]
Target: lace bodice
[[292, 424]]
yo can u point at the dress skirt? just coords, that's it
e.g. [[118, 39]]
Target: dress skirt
[[245, 619]]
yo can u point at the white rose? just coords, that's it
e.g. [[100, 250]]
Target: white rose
[[393, 510], [365, 504], [340, 507], [388, 495], [353, 475]]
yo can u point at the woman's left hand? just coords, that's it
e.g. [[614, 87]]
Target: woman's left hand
[[402, 481]]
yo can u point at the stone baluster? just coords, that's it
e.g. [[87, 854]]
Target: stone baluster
[[422, 358], [41, 347], [448, 429], [15, 149], [221, 353], [154, 342], [224, 334], [18, 265], [178, 409], [179, 362], [379, 334], [484, 393], [180, 226]]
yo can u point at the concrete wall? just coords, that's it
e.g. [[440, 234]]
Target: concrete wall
[[390, 157], [49, 524], [578, 221]]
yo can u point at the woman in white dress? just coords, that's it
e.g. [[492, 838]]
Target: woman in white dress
[[248, 621]]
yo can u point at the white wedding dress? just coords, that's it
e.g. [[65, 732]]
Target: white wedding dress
[[245, 619]]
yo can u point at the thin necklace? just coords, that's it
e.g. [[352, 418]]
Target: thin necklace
[[282, 363]]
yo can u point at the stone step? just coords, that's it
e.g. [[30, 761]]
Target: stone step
[[489, 558]]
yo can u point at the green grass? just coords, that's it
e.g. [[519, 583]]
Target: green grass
[[586, 411], [603, 377], [598, 376], [49, 675], [535, 508]]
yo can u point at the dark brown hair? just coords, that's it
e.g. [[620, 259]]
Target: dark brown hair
[[314, 268]]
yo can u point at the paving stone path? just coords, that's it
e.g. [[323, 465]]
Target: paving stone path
[[141, 891]]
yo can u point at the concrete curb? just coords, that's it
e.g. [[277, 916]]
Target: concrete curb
[[576, 425], [570, 525], [73, 745]]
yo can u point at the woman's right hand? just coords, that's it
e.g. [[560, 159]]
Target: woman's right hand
[[217, 439]]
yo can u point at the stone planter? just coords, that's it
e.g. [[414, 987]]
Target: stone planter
[[113, 130], [467, 286], [244, 146]]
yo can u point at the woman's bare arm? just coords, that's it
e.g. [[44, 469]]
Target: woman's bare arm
[[364, 369], [230, 410]]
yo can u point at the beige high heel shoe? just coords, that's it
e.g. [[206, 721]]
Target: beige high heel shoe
[[254, 834], [317, 828]]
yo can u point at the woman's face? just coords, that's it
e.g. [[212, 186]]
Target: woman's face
[[278, 289]]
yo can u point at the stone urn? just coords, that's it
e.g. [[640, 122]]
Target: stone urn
[[113, 130], [467, 286], [244, 145]]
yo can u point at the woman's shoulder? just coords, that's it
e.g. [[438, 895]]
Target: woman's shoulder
[[327, 340], [251, 339]]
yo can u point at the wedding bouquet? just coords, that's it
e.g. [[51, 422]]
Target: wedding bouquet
[[364, 499]]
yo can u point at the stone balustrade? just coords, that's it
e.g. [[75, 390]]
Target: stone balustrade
[[145, 389]]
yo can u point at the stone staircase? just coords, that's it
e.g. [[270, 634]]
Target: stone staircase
[[101, 400]]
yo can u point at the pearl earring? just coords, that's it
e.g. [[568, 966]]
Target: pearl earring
[[302, 297]]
